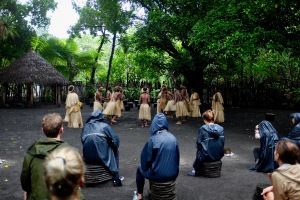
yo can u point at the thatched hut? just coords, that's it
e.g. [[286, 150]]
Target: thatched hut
[[31, 69]]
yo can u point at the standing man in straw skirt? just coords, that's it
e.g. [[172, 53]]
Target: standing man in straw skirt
[[144, 112]]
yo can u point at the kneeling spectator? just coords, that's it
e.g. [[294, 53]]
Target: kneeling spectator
[[264, 155], [210, 142], [101, 144], [159, 157]]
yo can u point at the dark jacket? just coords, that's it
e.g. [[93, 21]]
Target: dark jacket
[[268, 140], [294, 135], [210, 144], [160, 155], [32, 180], [100, 143]]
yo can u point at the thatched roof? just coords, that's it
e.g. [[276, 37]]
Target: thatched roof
[[32, 68]]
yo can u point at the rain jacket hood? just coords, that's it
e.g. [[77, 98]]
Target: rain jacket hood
[[96, 115], [291, 173], [215, 131], [159, 123], [160, 155], [296, 116], [43, 147]]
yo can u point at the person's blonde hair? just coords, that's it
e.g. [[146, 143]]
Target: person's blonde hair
[[63, 170]]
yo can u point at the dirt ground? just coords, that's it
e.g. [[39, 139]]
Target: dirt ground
[[20, 127]]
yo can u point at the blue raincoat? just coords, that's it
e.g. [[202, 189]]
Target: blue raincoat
[[294, 135], [100, 143], [210, 144], [160, 155], [268, 140]]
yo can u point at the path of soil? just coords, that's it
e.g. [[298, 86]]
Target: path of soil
[[20, 127]]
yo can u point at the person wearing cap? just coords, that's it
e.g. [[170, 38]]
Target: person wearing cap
[[73, 109], [101, 144], [98, 99]]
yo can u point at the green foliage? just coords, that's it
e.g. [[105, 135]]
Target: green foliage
[[296, 92], [154, 93], [89, 91], [132, 93], [16, 26]]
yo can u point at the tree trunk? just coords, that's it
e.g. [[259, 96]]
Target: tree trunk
[[110, 60], [92, 81]]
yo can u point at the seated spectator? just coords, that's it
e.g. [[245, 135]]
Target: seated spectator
[[286, 179], [100, 144], [32, 172], [64, 173], [264, 155], [210, 142], [294, 135], [160, 155]]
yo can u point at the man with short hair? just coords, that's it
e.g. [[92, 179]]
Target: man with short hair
[[32, 172]]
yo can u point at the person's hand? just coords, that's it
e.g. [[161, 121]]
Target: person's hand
[[266, 191], [256, 130]]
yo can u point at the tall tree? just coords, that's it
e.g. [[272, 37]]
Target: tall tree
[[109, 16], [226, 33], [16, 26]]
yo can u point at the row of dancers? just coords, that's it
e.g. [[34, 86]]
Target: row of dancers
[[178, 103]]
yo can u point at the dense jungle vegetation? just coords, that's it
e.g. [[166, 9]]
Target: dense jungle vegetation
[[249, 48]]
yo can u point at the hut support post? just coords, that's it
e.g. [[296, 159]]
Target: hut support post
[[4, 88], [58, 95], [30, 94]]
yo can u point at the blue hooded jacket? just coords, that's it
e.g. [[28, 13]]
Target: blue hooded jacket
[[268, 140], [294, 135], [160, 155], [210, 144], [100, 143]]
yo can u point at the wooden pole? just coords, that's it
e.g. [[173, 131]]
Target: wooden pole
[[58, 94]]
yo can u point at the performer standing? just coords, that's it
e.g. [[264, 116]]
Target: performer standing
[[113, 109], [73, 109], [181, 111], [163, 100], [185, 96], [194, 104], [144, 112], [158, 98], [107, 97], [217, 106], [170, 108], [98, 99]]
